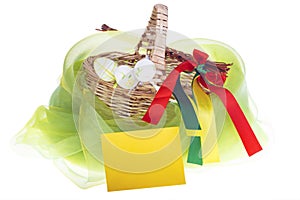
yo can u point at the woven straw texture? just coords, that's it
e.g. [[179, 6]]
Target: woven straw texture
[[135, 102]]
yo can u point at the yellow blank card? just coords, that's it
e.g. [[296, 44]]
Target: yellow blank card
[[144, 158]]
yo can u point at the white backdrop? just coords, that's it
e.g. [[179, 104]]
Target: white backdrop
[[36, 35]]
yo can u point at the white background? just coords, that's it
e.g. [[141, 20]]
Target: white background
[[36, 35]]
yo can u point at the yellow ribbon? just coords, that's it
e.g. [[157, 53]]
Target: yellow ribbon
[[208, 133]]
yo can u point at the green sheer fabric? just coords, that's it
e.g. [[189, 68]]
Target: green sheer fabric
[[67, 130]]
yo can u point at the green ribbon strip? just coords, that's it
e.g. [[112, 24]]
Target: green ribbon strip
[[190, 121], [195, 151], [189, 116]]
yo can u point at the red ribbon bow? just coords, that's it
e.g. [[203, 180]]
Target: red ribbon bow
[[212, 77]]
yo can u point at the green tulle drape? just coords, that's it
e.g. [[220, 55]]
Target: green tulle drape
[[68, 128]]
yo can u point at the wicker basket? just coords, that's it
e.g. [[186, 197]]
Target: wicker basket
[[134, 103]]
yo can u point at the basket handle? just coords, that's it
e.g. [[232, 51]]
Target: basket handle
[[153, 40]]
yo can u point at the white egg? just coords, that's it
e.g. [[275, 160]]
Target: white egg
[[144, 70], [125, 77], [104, 68]]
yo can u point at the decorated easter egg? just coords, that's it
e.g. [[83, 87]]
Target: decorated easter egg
[[125, 77], [144, 70], [104, 68]]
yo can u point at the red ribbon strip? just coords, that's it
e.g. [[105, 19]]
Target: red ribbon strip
[[237, 116], [161, 99], [212, 80], [239, 120]]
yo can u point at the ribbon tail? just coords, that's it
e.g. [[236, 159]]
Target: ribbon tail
[[186, 108], [195, 151], [239, 120], [191, 123], [205, 113], [161, 99]]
